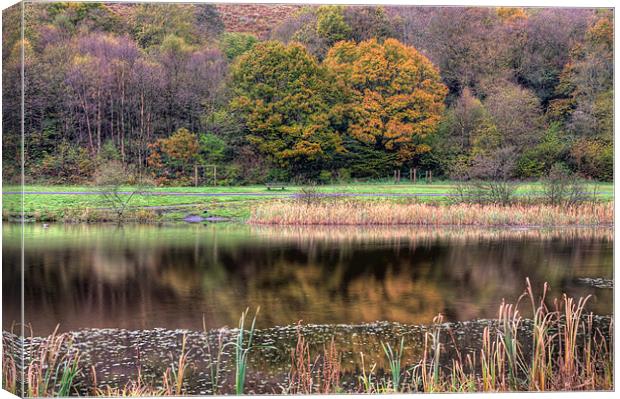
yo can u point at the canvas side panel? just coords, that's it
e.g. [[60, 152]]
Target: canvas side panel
[[12, 227]]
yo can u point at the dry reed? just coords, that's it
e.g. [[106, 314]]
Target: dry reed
[[307, 376], [385, 212], [557, 361]]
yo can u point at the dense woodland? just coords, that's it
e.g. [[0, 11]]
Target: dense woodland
[[328, 93]]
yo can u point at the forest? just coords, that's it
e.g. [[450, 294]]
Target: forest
[[327, 93]]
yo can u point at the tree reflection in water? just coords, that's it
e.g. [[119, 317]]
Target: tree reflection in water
[[142, 277]]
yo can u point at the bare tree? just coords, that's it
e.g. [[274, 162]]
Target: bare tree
[[110, 179]]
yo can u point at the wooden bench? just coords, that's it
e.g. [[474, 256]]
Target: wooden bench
[[275, 185]]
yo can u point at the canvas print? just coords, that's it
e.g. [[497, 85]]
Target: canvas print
[[277, 199]]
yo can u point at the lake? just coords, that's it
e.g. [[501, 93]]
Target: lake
[[139, 277], [138, 286]]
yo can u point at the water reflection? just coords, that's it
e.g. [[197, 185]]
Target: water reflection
[[141, 277]]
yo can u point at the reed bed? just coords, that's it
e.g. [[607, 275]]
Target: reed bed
[[557, 348], [566, 354], [385, 212]]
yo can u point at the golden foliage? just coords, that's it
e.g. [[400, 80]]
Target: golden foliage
[[395, 93]]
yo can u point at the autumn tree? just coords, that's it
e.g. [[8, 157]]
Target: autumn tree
[[586, 102], [331, 25], [172, 159], [466, 43], [516, 112], [547, 38], [285, 100], [395, 95], [152, 23]]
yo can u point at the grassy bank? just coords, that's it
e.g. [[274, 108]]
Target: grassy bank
[[404, 187], [558, 347], [355, 212], [141, 209], [161, 204]]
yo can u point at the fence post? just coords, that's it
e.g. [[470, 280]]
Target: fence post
[[415, 175], [195, 175], [215, 175], [430, 176]]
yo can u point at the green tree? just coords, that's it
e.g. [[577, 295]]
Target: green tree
[[551, 150], [233, 44], [285, 99], [153, 22], [213, 148], [330, 24]]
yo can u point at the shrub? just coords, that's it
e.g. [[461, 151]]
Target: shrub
[[501, 192], [537, 161], [325, 176], [234, 44], [68, 164], [309, 195], [560, 187], [110, 177]]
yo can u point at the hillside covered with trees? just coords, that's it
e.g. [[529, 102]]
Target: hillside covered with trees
[[315, 94]]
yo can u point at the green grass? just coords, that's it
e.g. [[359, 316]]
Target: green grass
[[56, 207], [50, 207], [404, 187]]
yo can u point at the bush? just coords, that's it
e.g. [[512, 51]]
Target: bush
[[109, 178], [325, 176], [560, 187], [537, 161], [486, 192], [233, 44], [344, 175], [68, 164], [309, 195]]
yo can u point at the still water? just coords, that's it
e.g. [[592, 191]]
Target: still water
[[203, 276]]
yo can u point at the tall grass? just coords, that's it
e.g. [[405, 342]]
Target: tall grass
[[53, 368], [215, 359], [9, 365], [394, 359], [308, 376], [243, 346], [175, 374], [558, 361], [301, 379], [386, 212], [426, 373], [133, 388]]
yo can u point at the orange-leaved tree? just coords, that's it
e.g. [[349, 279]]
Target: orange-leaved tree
[[395, 94], [172, 159]]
